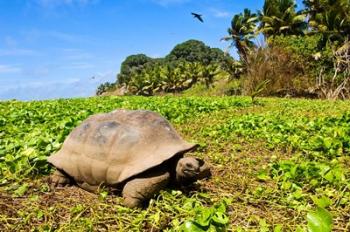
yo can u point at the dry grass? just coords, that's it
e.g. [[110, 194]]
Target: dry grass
[[285, 74]]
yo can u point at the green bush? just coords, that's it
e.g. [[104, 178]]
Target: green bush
[[308, 50]]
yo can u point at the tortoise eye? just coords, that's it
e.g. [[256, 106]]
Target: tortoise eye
[[189, 165]]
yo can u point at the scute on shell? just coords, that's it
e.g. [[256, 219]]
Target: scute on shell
[[110, 148]]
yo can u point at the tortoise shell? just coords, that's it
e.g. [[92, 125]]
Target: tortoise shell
[[110, 148]]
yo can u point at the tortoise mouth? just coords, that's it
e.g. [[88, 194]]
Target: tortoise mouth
[[190, 173]]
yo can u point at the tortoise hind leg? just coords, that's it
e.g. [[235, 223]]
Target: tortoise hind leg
[[59, 178], [142, 188], [88, 187]]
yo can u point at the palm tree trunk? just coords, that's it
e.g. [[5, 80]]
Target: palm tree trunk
[[242, 51]]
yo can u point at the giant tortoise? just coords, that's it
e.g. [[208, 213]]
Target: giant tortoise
[[136, 151]]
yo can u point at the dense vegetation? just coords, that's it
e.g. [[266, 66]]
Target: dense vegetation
[[305, 53], [187, 63], [278, 165]]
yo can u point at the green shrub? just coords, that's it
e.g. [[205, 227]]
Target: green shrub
[[308, 50]]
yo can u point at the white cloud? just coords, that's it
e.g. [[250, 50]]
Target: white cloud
[[74, 87], [10, 48], [35, 35], [63, 36], [10, 41], [9, 69], [76, 54], [79, 65], [169, 2], [18, 52], [220, 13], [56, 3], [41, 71]]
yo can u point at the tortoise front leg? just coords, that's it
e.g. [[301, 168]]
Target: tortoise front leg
[[58, 178], [142, 188]]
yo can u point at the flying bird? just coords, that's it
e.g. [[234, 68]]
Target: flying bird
[[198, 16]]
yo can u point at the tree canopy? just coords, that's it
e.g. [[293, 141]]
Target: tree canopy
[[330, 19], [130, 64], [278, 17], [241, 32], [195, 51]]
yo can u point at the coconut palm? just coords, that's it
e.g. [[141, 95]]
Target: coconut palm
[[331, 18], [241, 32], [278, 17]]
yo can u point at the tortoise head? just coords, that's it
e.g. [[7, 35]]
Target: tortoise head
[[190, 169]]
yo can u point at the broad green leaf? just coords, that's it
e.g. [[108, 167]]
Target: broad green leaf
[[203, 216], [319, 220], [221, 207], [322, 202], [220, 218], [190, 226]]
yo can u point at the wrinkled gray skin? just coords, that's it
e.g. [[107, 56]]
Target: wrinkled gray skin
[[136, 190]]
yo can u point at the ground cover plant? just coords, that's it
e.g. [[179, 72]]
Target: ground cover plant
[[278, 165]]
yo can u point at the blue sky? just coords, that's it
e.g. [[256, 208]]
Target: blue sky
[[53, 48]]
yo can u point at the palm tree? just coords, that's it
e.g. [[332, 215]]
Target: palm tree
[[279, 17], [331, 18], [241, 32]]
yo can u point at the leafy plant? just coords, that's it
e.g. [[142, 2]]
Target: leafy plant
[[208, 219], [258, 89], [319, 220]]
